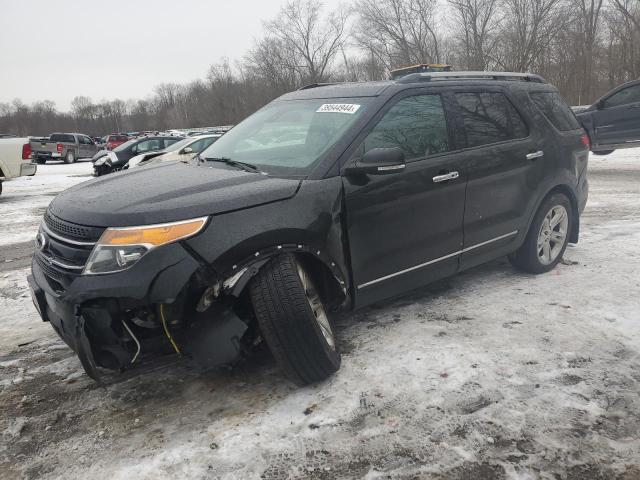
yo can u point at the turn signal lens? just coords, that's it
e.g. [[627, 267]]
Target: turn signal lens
[[152, 235]]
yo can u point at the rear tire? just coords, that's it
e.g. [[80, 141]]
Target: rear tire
[[293, 321], [70, 157], [603, 152], [548, 236]]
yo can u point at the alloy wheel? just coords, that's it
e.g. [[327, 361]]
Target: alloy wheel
[[552, 235], [315, 302]]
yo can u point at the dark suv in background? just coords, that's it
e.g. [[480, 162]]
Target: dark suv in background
[[613, 122], [329, 198], [108, 161]]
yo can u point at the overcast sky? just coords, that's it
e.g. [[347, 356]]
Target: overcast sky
[[57, 49]]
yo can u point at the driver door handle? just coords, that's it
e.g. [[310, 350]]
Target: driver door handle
[[445, 177], [534, 155]]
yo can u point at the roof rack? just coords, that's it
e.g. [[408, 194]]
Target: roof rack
[[509, 76], [314, 85]]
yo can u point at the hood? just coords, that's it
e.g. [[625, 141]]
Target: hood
[[99, 153], [167, 193]]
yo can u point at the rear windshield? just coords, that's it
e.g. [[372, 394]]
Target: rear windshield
[[118, 138], [62, 137], [553, 106]]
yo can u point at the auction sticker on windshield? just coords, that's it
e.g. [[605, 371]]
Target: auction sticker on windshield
[[349, 108]]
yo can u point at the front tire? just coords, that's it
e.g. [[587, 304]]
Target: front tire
[[548, 236], [603, 152], [70, 157], [293, 321]]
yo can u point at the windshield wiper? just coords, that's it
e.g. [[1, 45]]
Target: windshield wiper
[[247, 167]]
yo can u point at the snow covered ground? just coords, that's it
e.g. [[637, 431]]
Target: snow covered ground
[[491, 374]]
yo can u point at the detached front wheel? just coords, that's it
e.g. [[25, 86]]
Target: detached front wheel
[[293, 320]]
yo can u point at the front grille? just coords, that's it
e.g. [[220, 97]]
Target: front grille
[[66, 248], [72, 230]]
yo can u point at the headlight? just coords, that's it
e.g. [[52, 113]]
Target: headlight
[[102, 160], [120, 248]]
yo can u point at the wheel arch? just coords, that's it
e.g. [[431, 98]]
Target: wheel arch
[[324, 270], [567, 191]]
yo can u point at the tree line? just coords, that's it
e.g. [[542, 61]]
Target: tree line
[[584, 47]]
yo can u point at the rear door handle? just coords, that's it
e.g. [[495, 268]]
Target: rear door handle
[[445, 177], [534, 155]]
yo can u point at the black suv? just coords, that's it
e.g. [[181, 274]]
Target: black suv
[[331, 197]]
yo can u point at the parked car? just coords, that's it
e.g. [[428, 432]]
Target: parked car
[[63, 146], [613, 121], [106, 161], [395, 184], [185, 149], [115, 140], [7, 135], [15, 159]]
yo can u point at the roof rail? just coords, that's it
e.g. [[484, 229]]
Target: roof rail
[[431, 76], [314, 85]]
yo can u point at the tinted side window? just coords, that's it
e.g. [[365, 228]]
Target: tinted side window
[[624, 97], [417, 125], [169, 141], [553, 106], [490, 118]]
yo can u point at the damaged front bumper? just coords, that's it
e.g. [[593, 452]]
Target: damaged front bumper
[[109, 320]]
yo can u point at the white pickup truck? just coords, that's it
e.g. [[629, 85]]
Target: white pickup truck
[[15, 159]]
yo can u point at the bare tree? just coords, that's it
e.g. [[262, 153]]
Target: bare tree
[[530, 28], [399, 32], [477, 22], [310, 38], [589, 25]]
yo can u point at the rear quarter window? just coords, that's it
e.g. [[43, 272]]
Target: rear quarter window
[[553, 106]]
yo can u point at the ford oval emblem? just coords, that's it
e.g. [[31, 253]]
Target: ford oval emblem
[[41, 241]]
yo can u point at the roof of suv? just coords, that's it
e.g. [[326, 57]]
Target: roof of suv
[[374, 89]]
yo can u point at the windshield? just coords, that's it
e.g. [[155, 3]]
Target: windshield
[[178, 145], [287, 138], [123, 146]]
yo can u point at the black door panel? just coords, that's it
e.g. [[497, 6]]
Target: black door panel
[[504, 166], [617, 125], [404, 228]]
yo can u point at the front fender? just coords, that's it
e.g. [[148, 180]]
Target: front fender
[[308, 223]]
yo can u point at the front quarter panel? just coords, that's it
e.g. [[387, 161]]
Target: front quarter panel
[[310, 222]]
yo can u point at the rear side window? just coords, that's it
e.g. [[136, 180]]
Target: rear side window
[[490, 118], [626, 96], [553, 106], [416, 125]]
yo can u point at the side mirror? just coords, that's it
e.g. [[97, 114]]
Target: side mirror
[[379, 161], [187, 150]]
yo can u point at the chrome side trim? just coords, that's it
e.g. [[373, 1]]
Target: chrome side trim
[[53, 261], [478, 245], [44, 227], [390, 168], [430, 262]]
